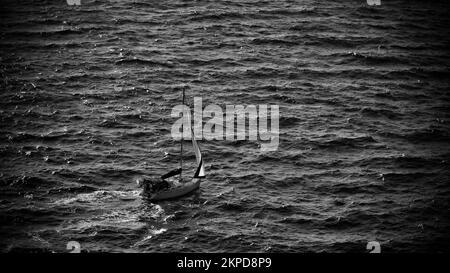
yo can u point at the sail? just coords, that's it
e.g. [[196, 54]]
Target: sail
[[200, 172]]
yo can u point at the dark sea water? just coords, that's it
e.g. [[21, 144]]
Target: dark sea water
[[85, 99]]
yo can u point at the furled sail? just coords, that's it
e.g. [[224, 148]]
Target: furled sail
[[200, 172], [171, 173]]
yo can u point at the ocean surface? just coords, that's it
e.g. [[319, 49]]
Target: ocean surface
[[86, 94]]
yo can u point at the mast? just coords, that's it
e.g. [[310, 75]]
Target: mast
[[181, 147]]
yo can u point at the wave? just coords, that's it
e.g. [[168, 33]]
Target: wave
[[46, 34], [146, 62], [218, 16], [290, 11], [352, 188], [350, 218], [404, 161], [354, 142], [367, 58], [26, 181], [274, 41], [380, 113], [66, 135], [420, 135]]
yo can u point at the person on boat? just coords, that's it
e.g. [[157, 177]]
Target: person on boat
[[156, 184]]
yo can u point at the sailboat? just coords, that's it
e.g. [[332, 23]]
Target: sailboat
[[181, 186]]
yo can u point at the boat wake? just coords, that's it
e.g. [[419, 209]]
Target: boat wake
[[100, 196]]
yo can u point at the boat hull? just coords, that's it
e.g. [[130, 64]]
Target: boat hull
[[177, 191]]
